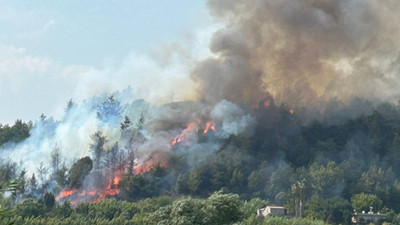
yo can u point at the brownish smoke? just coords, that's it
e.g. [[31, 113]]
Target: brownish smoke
[[302, 51]]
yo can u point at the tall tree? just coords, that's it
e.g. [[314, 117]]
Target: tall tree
[[61, 176], [42, 173], [33, 184], [298, 190], [135, 139], [55, 160], [97, 148], [111, 157]]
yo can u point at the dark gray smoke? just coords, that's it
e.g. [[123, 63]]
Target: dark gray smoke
[[302, 51]]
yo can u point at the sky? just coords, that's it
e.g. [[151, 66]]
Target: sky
[[52, 51]]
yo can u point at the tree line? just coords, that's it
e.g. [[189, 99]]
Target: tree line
[[338, 167]]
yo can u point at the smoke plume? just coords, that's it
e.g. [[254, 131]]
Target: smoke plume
[[302, 51], [297, 52]]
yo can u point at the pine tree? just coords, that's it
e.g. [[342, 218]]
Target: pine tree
[[97, 148], [42, 173], [33, 184], [55, 160]]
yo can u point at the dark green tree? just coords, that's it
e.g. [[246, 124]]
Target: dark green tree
[[326, 181], [376, 181], [135, 187], [338, 211], [49, 200], [30, 208], [362, 202], [223, 208], [78, 171], [63, 211], [334, 210]]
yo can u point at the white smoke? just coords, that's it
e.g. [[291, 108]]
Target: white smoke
[[233, 119]]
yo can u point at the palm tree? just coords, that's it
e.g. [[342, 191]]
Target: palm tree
[[10, 186]]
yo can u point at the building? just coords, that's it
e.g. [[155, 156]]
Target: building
[[271, 211], [368, 218]]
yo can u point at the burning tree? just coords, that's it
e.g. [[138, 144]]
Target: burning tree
[[134, 138]]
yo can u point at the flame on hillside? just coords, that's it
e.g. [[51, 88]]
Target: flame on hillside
[[111, 182], [267, 103], [94, 194], [209, 126], [65, 193], [183, 136], [191, 128], [156, 159]]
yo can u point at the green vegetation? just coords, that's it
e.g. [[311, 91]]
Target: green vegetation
[[16, 133], [220, 208], [331, 167], [78, 171]]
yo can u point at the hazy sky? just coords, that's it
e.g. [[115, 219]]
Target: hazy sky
[[51, 51]]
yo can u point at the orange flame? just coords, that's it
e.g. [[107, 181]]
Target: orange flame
[[110, 189], [184, 134], [65, 193], [117, 180], [267, 103], [84, 193], [209, 125], [110, 185], [75, 202], [157, 158]]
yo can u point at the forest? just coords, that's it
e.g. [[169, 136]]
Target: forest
[[214, 171]]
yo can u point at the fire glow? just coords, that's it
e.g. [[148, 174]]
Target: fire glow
[[209, 125], [83, 195], [96, 194], [183, 136], [110, 186], [188, 131], [156, 159], [267, 103], [65, 193]]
